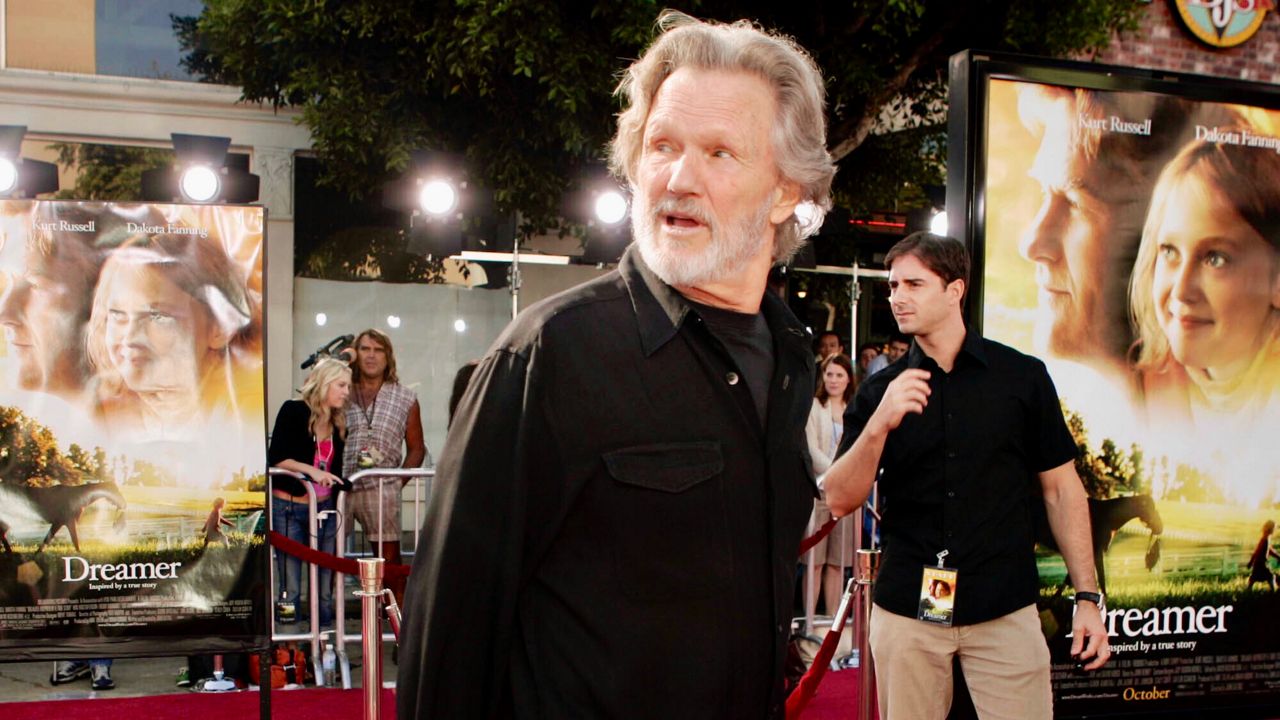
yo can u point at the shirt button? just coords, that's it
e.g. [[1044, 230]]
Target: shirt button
[[951, 493], [731, 378], [951, 454]]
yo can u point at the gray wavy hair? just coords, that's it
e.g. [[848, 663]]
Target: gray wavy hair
[[799, 130]]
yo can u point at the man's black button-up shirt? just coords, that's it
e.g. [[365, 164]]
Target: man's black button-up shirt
[[613, 532], [961, 477]]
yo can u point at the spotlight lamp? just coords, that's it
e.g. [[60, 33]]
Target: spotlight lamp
[[602, 206], [938, 224], [437, 197], [201, 174], [611, 207], [445, 210], [22, 177]]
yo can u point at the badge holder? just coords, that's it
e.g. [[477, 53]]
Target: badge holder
[[938, 593]]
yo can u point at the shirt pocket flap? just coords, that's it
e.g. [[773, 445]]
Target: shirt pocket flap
[[669, 467]]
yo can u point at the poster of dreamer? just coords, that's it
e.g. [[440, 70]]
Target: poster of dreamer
[[132, 429], [1129, 236]]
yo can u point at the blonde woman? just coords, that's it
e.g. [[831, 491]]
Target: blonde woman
[[823, 431], [308, 438]]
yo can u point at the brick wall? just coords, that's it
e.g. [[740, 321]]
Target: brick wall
[[1163, 42]]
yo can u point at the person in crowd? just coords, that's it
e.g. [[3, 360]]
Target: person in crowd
[[1096, 188], [956, 434], [868, 353], [169, 319], [1259, 569], [98, 671], [385, 423], [309, 437], [829, 344], [619, 503], [1205, 292], [832, 555], [896, 348], [460, 381]]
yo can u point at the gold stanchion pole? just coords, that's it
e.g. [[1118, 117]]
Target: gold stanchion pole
[[865, 576], [370, 593]]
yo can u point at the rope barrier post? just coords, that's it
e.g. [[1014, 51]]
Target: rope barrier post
[[370, 593], [865, 576]]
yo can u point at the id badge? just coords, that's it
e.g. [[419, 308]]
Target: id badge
[[938, 595]]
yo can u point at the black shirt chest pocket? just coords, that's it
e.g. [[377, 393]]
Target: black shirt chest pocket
[[670, 534]]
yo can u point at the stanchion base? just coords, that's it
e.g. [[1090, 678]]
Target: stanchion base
[[214, 685]]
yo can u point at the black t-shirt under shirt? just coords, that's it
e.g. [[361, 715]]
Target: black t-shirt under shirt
[[748, 341]]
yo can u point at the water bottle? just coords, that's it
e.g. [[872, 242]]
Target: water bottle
[[329, 661], [286, 611]]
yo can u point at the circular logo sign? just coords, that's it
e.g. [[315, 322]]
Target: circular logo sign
[[1223, 23]]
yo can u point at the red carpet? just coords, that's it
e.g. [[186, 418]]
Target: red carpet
[[836, 699], [313, 703]]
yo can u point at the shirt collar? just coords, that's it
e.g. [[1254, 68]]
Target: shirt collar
[[972, 346], [660, 309]]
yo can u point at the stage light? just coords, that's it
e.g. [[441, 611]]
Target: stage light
[[460, 325], [393, 321], [611, 207], [437, 197], [199, 184], [21, 177], [8, 176], [201, 174], [321, 319], [809, 217], [938, 224], [599, 204]]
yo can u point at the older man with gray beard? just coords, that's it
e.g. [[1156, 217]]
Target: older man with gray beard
[[625, 484]]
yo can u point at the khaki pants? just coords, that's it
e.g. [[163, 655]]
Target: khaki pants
[[1005, 661]]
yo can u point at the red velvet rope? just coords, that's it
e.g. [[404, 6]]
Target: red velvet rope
[[808, 684], [807, 544], [346, 566]]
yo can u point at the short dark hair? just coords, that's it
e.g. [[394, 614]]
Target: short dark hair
[[946, 257], [898, 336]]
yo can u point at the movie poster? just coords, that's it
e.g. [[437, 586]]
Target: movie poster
[[133, 449], [1132, 241]]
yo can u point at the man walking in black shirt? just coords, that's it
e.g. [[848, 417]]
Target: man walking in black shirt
[[967, 433], [621, 496]]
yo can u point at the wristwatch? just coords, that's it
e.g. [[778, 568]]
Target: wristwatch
[[1093, 597]]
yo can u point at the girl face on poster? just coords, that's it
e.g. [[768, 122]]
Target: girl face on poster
[[1215, 284], [165, 310], [156, 335], [1208, 274]]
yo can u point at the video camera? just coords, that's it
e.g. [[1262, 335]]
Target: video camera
[[339, 347]]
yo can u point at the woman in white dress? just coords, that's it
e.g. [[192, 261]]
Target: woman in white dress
[[826, 424]]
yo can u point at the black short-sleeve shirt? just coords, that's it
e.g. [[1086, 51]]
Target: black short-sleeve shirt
[[961, 477]]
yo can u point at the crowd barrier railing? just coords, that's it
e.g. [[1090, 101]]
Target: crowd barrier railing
[[312, 636], [341, 637]]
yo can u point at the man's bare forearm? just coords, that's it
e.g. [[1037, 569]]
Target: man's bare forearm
[[1068, 509], [849, 479]]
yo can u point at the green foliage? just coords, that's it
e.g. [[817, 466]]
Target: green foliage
[[108, 172], [370, 253], [523, 88]]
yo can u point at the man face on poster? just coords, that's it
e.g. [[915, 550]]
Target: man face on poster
[[1084, 236], [44, 311]]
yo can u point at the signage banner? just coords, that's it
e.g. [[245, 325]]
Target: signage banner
[[132, 429], [1132, 240]]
